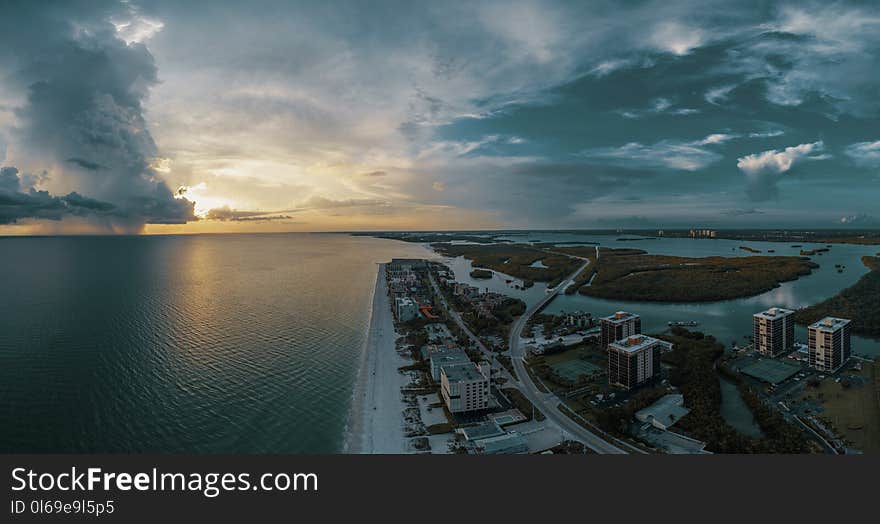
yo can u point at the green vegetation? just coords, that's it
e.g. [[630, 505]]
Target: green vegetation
[[523, 404], [514, 260], [858, 303], [632, 274], [481, 273], [439, 429], [508, 365], [693, 372], [617, 419]]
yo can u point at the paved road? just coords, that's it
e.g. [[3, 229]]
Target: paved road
[[548, 402]]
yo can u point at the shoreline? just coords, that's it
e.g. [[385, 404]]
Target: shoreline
[[375, 423]]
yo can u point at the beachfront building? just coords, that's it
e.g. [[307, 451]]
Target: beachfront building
[[774, 331], [446, 357], [405, 265], [829, 344], [618, 327], [406, 309], [464, 387], [633, 361]]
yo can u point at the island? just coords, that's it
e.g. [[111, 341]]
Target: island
[[633, 274], [481, 273], [516, 260]]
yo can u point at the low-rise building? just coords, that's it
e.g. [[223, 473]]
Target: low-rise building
[[619, 326], [465, 291], [464, 388], [829, 344], [664, 413], [506, 444], [633, 361], [773, 331], [406, 309]]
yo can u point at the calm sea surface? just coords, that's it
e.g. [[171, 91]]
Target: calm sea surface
[[210, 343]]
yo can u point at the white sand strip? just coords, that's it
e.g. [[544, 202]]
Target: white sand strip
[[376, 419]]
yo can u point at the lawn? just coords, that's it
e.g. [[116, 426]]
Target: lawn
[[854, 412]]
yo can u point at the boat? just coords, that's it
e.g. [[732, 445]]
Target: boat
[[683, 323]]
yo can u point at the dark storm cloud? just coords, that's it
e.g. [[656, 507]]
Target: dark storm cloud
[[84, 90], [17, 203]]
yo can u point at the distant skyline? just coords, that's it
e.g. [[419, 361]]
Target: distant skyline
[[160, 116]]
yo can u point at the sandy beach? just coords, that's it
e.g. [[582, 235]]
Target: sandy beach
[[375, 422]]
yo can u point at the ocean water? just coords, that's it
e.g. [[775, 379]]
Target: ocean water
[[191, 344]]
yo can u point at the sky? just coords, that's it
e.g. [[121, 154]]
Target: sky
[[159, 116]]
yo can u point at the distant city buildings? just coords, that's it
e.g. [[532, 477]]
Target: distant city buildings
[[829, 344], [633, 361], [703, 233], [406, 309], [774, 331], [464, 388], [619, 326], [578, 319]]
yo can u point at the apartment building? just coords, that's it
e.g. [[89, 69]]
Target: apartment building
[[464, 388], [829, 344], [618, 327], [633, 361], [773, 331]]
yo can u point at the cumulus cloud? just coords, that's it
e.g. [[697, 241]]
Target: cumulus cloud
[[764, 169], [864, 153], [775, 161], [83, 89]]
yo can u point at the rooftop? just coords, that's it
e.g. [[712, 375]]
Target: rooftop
[[463, 371], [620, 316], [774, 313], [507, 443], [484, 430], [634, 343], [449, 357], [830, 324], [667, 410]]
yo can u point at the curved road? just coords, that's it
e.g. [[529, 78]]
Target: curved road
[[548, 402]]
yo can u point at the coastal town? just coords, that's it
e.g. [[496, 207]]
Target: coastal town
[[453, 367]]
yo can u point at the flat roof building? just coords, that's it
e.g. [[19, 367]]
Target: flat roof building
[[507, 444], [619, 326], [773, 331], [829, 344], [633, 361], [464, 387], [446, 357], [664, 413], [406, 309]]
